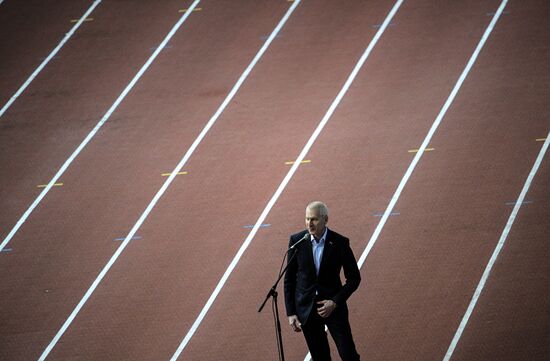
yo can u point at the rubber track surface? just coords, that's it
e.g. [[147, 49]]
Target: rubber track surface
[[420, 276]]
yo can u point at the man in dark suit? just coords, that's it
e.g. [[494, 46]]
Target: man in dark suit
[[314, 294]]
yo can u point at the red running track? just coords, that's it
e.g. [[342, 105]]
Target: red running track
[[427, 262]]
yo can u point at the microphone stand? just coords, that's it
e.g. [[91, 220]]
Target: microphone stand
[[273, 293]]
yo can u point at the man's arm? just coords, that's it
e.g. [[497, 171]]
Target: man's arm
[[351, 273], [290, 289], [290, 282]]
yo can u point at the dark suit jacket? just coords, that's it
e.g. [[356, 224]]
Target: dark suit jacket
[[301, 281]]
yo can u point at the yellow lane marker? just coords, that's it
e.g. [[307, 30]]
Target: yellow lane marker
[[77, 20], [168, 174], [184, 10], [302, 162], [416, 150], [45, 185], [540, 139]]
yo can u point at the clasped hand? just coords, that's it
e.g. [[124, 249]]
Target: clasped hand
[[324, 309]]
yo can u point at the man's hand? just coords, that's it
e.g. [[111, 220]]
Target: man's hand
[[295, 323], [325, 308]]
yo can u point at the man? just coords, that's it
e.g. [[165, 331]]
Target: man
[[314, 294]]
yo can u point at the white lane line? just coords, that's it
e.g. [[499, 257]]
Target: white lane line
[[284, 183], [431, 132], [385, 24], [68, 162], [496, 252], [50, 57], [427, 140], [174, 173], [97, 127]]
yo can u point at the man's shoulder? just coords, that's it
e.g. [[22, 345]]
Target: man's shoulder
[[337, 237]]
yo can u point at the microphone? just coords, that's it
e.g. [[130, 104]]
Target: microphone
[[304, 238]]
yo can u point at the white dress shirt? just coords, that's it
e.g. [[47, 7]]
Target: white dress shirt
[[318, 247]]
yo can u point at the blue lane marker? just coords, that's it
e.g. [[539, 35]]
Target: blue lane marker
[[165, 47], [391, 214], [514, 203], [7, 250], [131, 239], [503, 13], [261, 225], [379, 25]]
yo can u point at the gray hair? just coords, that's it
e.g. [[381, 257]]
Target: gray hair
[[320, 206]]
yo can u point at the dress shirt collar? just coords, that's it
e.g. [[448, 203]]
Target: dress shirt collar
[[322, 239]]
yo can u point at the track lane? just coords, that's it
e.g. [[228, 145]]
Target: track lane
[[223, 173], [142, 151], [376, 183], [451, 214], [30, 31], [43, 260], [77, 23], [69, 100], [510, 320], [335, 177]]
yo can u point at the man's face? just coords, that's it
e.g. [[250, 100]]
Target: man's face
[[315, 224]]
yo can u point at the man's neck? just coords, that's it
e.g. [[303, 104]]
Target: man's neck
[[318, 238]]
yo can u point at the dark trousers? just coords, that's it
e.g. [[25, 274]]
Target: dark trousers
[[340, 330]]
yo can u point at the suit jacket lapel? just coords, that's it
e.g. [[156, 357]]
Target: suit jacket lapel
[[310, 256], [306, 247]]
